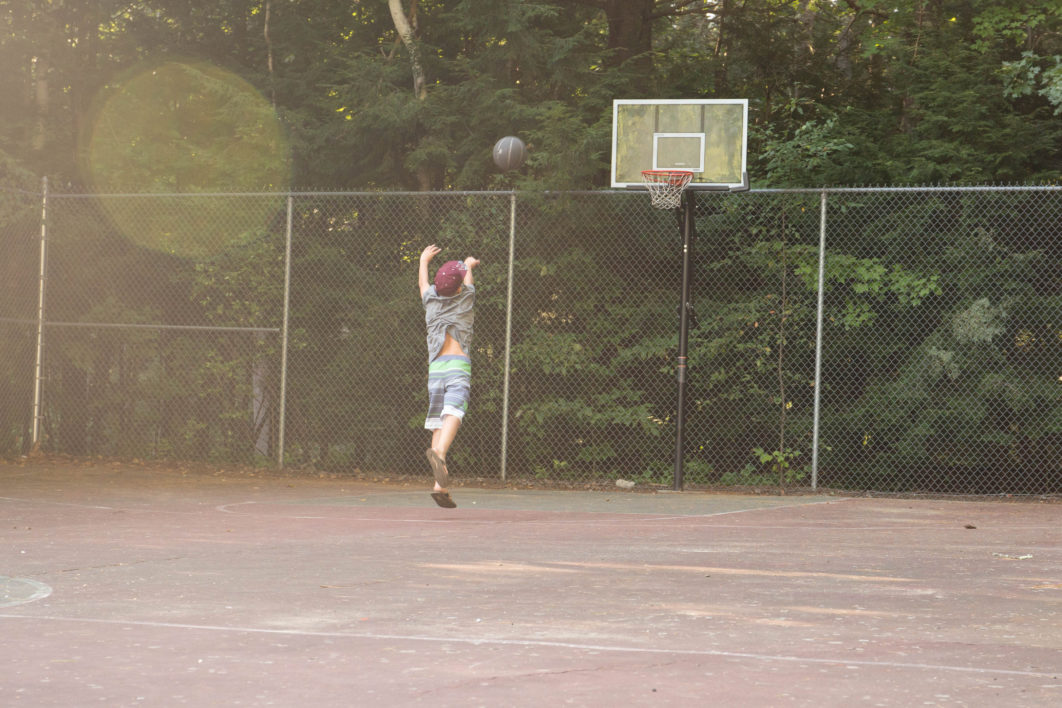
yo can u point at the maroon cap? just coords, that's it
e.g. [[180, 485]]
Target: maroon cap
[[449, 277]]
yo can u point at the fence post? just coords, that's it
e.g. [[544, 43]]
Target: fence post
[[818, 344], [508, 338], [37, 369], [282, 416]]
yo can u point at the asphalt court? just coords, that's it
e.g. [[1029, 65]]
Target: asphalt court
[[132, 585]]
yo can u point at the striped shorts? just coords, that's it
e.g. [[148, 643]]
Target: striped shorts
[[449, 379]]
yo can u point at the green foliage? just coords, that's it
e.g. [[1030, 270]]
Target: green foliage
[[942, 349], [580, 335], [814, 148], [773, 469], [185, 127], [973, 396], [839, 93], [1027, 76]]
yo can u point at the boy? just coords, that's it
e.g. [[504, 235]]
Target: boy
[[449, 310]]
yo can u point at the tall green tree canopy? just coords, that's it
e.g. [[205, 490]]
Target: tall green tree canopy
[[412, 94]]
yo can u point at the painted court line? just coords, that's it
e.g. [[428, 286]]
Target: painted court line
[[227, 509], [40, 591], [56, 503], [687, 517], [127, 509], [628, 516], [716, 570], [549, 644]]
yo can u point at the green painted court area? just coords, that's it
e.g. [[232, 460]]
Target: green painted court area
[[596, 502]]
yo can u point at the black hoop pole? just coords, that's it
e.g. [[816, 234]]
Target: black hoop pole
[[686, 218]]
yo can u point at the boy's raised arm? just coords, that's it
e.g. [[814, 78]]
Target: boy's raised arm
[[470, 263], [422, 275]]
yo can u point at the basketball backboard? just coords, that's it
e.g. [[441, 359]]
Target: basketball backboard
[[705, 136]]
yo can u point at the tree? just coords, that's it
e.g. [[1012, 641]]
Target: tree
[[407, 33], [972, 85]]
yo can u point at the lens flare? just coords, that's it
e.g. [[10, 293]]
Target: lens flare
[[181, 129]]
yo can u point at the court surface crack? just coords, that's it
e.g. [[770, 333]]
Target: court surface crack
[[490, 680], [117, 565]]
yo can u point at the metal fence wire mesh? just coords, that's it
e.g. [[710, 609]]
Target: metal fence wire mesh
[[943, 368], [20, 228], [160, 342], [266, 329], [358, 363]]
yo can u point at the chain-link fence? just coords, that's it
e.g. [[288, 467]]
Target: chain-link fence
[[287, 329], [942, 365]]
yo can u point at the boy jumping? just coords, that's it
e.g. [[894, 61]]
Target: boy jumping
[[449, 310]]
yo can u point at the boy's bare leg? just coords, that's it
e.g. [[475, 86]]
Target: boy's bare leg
[[442, 438]]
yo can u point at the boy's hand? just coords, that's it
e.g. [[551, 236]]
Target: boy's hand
[[430, 252], [470, 263]]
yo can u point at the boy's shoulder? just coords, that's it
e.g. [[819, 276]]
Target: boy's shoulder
[[431, 294]]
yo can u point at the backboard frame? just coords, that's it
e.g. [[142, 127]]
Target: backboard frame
[[715, 116]]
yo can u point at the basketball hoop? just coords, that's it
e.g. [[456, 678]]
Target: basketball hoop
[[666, 187]]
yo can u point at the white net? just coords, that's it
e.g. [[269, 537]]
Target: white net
[[666, 186]]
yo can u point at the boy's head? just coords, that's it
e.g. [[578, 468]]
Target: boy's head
[[449, 277]]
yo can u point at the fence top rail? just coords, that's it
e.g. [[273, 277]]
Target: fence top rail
[[140, 325], [510, 193], [195, 195], [956, 188]]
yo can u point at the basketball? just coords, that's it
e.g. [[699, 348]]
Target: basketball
[[509, 153]]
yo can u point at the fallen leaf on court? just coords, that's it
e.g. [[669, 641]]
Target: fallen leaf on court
[[970, 526]]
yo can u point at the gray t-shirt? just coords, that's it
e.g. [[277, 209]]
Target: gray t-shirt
[[453, 315]]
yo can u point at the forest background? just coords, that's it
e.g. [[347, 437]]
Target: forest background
[[942, 311], [411, 94]]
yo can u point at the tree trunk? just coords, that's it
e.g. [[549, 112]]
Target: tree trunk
[[269, 54], [722, 50], [41, 96], [406, 33], [405, 26], [843, 49], [630, 30]]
